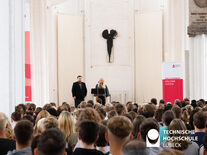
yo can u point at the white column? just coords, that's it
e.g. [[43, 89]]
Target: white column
[[198, 67], [11, 55]]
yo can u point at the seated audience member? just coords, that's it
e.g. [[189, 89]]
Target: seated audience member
[[171, 152], [145, 127], [167, 117], [88, 132], [112, 113], [136, 124], [34, 144], [191, 118], [5, 143], [15, 117], [135, 147], [51, 142], [158, 115], [148, 110], [120, 109], [46, 123], [23, 133], [162, 101], [119, 131], [177, 111], [101, 143], [203, 149], [184, 145], [154, 101], [198, 120], [67, 126]]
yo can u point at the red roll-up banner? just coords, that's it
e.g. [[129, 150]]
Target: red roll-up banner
[[172, 81], [28, 88]]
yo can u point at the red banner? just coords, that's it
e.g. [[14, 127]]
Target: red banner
[[172, 90], [28, 88]]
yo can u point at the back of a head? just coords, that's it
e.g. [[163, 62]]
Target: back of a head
[[148, 110], [120, 109], [167, 117], [51, 142], [101, 141], [199, 118], [136, 124], [3, 121], [134, 147], [47, 123], [23, 132], [16, 116], [171, 152], [88, 131], [154, 101], [120, 126], [146, 125], [177, 111]]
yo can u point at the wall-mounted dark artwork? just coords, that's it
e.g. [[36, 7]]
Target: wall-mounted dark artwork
[[109, 37]]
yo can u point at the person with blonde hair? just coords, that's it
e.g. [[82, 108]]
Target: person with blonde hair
[[101, 85], [6, 144], [66, 124], [41, 114]]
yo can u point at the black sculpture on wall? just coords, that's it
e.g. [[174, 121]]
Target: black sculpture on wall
[[109, 37]]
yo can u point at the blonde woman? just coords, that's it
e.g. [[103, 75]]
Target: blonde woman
[[101, 85], [42, 114], [67, 126]]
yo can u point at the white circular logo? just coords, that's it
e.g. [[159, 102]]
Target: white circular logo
[[153, 134]]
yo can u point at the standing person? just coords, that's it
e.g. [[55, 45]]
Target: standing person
[[102, 85], [79, 91]]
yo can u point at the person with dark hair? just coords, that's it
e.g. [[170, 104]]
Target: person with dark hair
[[79, 91], [194, 104], [15, 117], [136, 124], [174, 142], [101, 143], [119, 131], [162, 101], [167, 117], [145, 127], [23, 133], [203, 149], [51, 142], [198, 120], [34, 144], [29, 118], [154, 101], [135, 147], [88, 132], [158, 116], [53, 112], [177, 111], [120, 109]]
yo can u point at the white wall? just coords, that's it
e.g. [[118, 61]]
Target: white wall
[[70, 54], [148, 56], [119, 75]]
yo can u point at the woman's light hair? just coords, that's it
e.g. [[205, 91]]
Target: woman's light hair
[[66, 124], [102, 84]]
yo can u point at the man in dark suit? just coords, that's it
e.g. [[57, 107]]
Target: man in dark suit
[[79, 91]]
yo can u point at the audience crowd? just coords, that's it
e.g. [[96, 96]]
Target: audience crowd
[[178, 128]]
